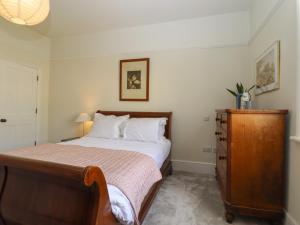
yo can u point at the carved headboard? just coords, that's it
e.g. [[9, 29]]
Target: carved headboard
[[167, 115]]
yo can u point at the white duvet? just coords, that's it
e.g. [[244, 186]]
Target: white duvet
[[121, 206]]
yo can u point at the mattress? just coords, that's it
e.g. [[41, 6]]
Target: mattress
[[121, 206]]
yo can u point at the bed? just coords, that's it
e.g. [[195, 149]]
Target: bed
[[55, 191]]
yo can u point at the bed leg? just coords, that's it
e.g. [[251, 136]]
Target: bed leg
[[3, 178]]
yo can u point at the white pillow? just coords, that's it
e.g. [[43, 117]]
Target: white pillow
[[107, 126], [145, 129]]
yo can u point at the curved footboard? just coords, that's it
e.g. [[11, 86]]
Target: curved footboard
[[36, 192]]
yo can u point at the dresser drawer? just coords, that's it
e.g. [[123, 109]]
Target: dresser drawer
[[221, 137], [223, 121], [222, 168], [218, 119]]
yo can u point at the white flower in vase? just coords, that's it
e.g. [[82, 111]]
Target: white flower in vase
[[246, 97]]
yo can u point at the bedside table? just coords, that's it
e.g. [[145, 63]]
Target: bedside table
[[69, 139]]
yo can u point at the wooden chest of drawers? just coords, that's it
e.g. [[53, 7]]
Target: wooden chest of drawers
[[250, 162]]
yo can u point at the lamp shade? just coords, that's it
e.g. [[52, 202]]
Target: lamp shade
[[25, 12], [83, 117]]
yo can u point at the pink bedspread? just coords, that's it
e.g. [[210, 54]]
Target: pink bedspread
[[132, 172]]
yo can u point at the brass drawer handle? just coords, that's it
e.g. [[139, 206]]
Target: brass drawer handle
[[223, 121], [222, 158], [218, 119], [217, 133], [3, 120], [223, 139]]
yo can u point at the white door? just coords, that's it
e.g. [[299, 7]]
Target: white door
[[18, 103]]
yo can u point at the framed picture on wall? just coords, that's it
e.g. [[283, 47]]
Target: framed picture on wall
[[134, 79], [267, 70]]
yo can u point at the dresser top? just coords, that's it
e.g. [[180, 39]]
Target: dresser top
[[254, 111]]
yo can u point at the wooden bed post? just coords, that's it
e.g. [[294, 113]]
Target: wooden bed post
[[36, 192], [103, 214]]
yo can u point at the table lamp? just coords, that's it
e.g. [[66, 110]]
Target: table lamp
[[82, 118]]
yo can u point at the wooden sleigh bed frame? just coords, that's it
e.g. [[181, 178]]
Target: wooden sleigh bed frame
[[34, 192]]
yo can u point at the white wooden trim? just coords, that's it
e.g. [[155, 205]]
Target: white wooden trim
[[295, 139], [194, 167], [289, 220], [298, 79]]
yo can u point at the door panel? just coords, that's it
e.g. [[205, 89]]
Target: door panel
[[18, 97]]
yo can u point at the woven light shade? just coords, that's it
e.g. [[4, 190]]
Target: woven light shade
[[24, 12]]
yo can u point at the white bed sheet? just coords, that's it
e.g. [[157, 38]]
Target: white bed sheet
[[121, 206]]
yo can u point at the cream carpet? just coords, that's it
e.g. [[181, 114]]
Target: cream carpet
[[190, 199]]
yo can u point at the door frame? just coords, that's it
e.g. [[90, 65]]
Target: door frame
[[37, 100]]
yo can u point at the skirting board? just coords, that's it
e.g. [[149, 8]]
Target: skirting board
[[194, 167], [289, 220]]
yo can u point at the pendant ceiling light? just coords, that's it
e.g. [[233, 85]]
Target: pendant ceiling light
[[25, 12]]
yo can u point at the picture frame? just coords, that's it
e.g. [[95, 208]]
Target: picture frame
[[134, 79], [267, 70]]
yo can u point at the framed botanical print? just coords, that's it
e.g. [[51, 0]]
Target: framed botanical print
[[267, 70], [134, 79]]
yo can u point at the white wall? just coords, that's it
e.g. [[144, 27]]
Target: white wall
[[282, 26], [189, 72], [24, 46], [214, 31], [260, 12]]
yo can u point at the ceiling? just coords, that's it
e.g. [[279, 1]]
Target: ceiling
[[71, 17]]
